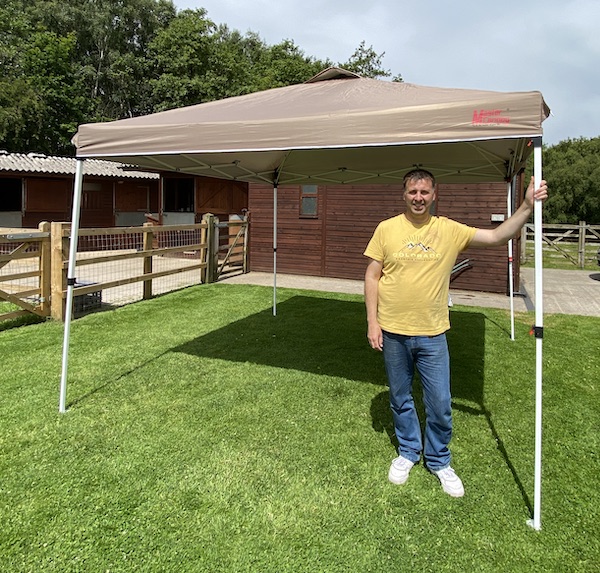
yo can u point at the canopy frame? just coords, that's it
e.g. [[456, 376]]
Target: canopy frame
[[331, 143]]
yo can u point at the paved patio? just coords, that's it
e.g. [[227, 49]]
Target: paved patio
[[565, 291]]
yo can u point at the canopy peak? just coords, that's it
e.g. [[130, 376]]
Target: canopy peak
[[332, 73]]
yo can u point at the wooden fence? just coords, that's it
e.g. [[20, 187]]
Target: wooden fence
[[114, 265], [577, 244]]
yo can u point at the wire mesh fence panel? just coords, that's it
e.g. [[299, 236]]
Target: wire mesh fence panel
[[125, 257], [114, 266]]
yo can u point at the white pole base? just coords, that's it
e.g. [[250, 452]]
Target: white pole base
[[534, 525]]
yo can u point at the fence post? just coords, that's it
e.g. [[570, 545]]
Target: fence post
[[214, 252], [209, 274], [204, 251], [582, 233], [524, 243], [147, 246], [246, 250], [58, 247], [45, 269]]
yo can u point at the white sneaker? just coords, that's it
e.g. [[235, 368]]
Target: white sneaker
[[399, 470], [451, 483]]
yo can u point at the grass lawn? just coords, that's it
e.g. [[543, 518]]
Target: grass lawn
[[204, 434]]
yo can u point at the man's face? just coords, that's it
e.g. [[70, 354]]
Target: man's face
[[419, 194]]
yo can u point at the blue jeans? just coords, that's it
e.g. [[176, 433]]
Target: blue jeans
[[429, 355]]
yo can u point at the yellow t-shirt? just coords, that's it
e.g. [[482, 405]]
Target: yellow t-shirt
[[417, 263]]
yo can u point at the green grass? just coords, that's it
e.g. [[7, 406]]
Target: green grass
[[204, 434]]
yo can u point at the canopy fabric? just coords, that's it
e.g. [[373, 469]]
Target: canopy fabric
[[336, 128]]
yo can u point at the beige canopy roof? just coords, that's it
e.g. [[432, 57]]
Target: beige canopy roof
[[337, 127]]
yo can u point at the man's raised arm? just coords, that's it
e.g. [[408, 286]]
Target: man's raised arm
[[507, 230]]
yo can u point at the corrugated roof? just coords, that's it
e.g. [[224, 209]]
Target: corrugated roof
[[46, 164]]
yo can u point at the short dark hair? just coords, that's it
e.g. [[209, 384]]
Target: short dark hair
[[418, 174]]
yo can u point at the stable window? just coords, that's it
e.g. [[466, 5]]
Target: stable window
[[11, 194], [91, 196], [179, 194], [309, 201]]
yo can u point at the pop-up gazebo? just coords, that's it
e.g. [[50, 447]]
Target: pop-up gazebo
[[336, 128]]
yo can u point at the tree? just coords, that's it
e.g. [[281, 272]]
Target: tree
[[181, 56], [62, 63], [41, 99], [21, 113], [112, 45], [52, 74], [19, 105], [285, 64], [572, 170], [65, 63], [196, 61], [368, 63]]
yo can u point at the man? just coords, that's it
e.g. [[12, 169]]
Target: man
[[406, 295]]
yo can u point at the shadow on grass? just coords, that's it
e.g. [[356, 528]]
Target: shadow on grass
[[112, 382], [24, 320], [309, 334], [466, 341], [328, 337]]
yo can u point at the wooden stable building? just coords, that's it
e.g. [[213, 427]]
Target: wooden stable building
[[36, 188], [323, 230], [185, 199]]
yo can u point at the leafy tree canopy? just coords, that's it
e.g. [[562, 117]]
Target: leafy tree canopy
[[66, 63], [368, 63], [572, 170]]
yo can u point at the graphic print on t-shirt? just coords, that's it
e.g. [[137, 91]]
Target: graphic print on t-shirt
[[418, 248]]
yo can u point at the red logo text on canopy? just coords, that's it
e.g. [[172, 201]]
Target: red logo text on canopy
[[489, 117]]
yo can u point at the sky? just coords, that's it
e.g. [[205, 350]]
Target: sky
[[552, 46]]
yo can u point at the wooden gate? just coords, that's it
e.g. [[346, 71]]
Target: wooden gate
[[579, 244], [230, 247], [25, 271]]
